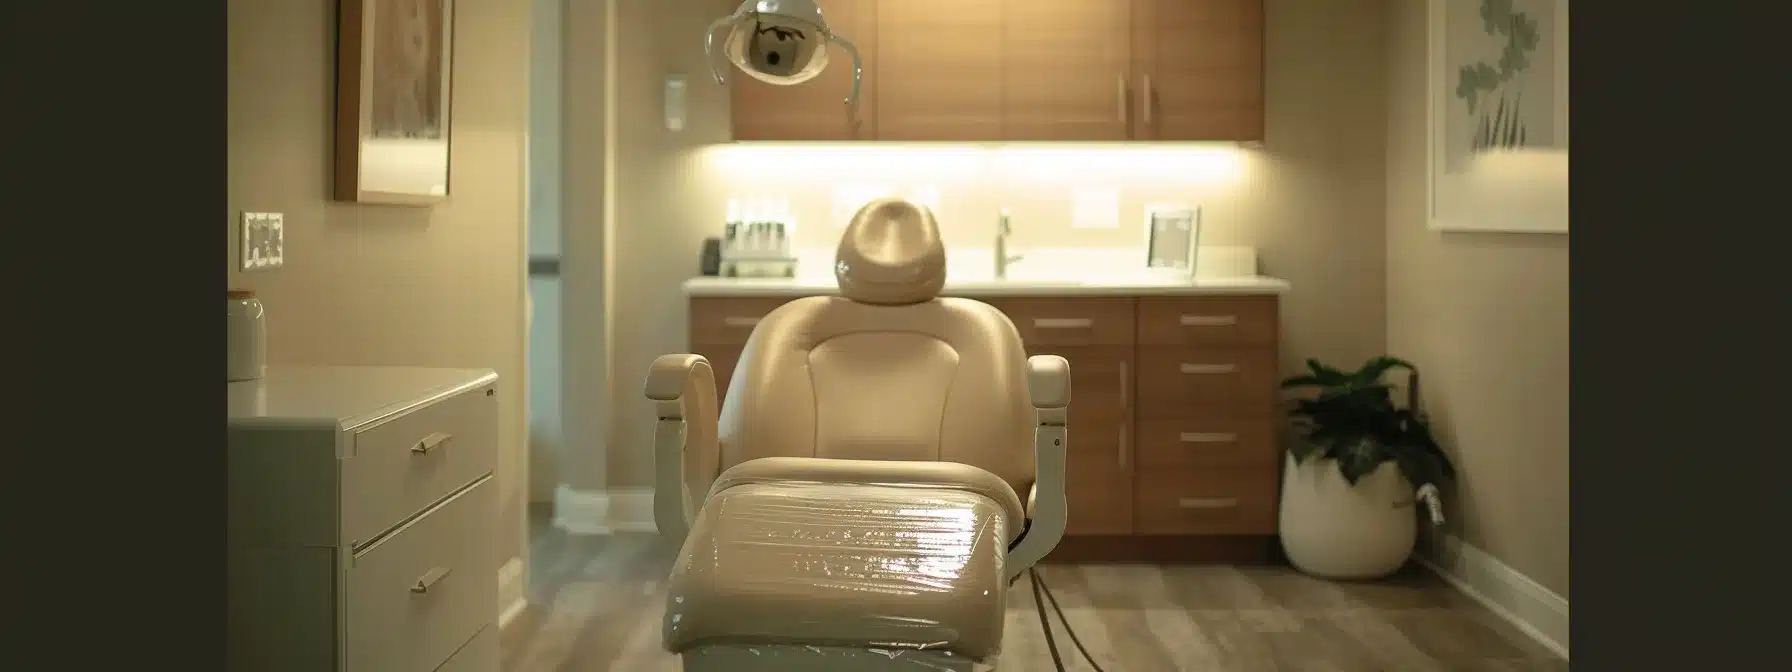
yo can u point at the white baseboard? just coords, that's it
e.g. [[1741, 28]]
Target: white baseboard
[[581, 511], [631, 510], [513, 590], [606, 512], [1526, 604]]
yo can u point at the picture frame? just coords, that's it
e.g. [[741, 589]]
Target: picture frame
[[1497, 117], [394, 95], [1172, 237]]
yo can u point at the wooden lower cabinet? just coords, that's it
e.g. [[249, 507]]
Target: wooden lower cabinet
[[1173, 454]]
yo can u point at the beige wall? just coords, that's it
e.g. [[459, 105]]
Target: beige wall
[[1311, 201], [438, 286], [1486, 317]]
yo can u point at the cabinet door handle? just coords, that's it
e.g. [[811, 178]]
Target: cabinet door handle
[[431, 442], [1121, 80], [1145, 98], [1122, 444], [1208, 503], [1207, 437], [1062, 323], [740, 322], [1208, 320], [428, 580], [1207, 369]]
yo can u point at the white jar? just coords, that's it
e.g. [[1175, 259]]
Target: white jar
[[247, 337]]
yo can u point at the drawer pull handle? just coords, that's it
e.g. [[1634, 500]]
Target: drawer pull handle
[[1062, 323], [741, 322], [431, 442], [1208, 320], [1208, 369], [1208, 503], [1208, 437], [429, 580]]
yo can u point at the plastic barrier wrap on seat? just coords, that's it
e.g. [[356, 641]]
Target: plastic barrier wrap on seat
[[815, 569]]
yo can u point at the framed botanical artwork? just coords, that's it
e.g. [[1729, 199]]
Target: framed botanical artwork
[[1498, 118], [394, 76]]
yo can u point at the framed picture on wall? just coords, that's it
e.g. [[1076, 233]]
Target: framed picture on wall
[[394, 76], [1498, 117]]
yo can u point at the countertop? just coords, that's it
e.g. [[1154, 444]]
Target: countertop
[[342, 397], [1116, 286]]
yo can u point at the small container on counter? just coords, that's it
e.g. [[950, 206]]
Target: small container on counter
[[246, 339]]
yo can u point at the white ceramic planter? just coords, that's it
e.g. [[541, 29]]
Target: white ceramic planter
[[1334, 530]]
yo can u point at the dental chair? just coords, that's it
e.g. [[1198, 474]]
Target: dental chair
[[858, 502]]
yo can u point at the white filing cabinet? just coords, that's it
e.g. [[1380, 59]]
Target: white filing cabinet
[[362, 514]]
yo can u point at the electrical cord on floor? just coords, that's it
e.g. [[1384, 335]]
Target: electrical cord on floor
[[1046, 623]]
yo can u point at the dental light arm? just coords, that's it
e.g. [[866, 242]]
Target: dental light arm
[[782, 42], [1048, 382], [683, 391]]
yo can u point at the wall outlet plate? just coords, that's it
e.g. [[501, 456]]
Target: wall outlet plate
[[263, 241]]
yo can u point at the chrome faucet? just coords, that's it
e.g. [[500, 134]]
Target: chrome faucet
[[1003, 258]]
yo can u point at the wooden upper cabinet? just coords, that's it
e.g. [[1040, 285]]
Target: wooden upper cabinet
[[1200, 69], [816, 109], [939, 70], [1024, 70], [1066, 68]]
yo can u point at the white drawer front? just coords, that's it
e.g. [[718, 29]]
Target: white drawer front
[[404, 464], [479, 655], [416, 596]]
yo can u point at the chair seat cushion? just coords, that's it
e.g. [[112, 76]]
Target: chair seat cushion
[[832, 564]]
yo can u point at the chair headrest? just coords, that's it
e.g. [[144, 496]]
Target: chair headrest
[[891, 254]]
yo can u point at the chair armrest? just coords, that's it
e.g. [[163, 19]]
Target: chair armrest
[[1048, 383], [686, 455]]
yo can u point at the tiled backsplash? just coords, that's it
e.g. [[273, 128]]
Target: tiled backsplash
[[1058, 197]]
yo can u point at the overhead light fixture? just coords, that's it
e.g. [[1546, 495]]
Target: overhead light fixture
[[782, 42]]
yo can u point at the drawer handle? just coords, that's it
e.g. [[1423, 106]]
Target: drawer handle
[[431, 442], [428, 580], [1207, 437], [1208, 320], [1208, 369], [1062, 323], [741, 322], [1208, 503]]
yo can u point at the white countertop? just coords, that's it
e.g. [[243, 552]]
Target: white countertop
[[342, 397], [1114, 286]]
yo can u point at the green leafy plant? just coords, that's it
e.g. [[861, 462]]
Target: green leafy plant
[[1352, 420]]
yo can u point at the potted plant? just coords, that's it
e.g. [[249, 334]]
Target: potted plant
[[1348, 488]]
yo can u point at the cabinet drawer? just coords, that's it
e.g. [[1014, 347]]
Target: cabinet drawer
[[416, 596], [404, 464], [478, 655], [1070, 321], [1206, 501], [1196, 442], [729, 320], [1207, 320], [1184, 382]]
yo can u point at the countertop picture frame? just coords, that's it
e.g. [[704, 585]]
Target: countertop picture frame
[[394, 95], [1497, 117], [1172, 237]]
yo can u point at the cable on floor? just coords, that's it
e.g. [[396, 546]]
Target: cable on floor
[[1045, 623]]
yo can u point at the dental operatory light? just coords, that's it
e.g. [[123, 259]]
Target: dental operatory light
[[782, 42]]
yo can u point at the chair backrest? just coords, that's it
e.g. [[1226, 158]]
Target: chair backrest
[[888, 370]]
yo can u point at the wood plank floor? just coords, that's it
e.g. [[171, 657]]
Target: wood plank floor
[[596, 605]]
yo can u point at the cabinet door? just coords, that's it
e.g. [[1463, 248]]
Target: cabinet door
[[1066, 68], [1099, 475], [814, 110], [1200, 69], [939, 70]]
